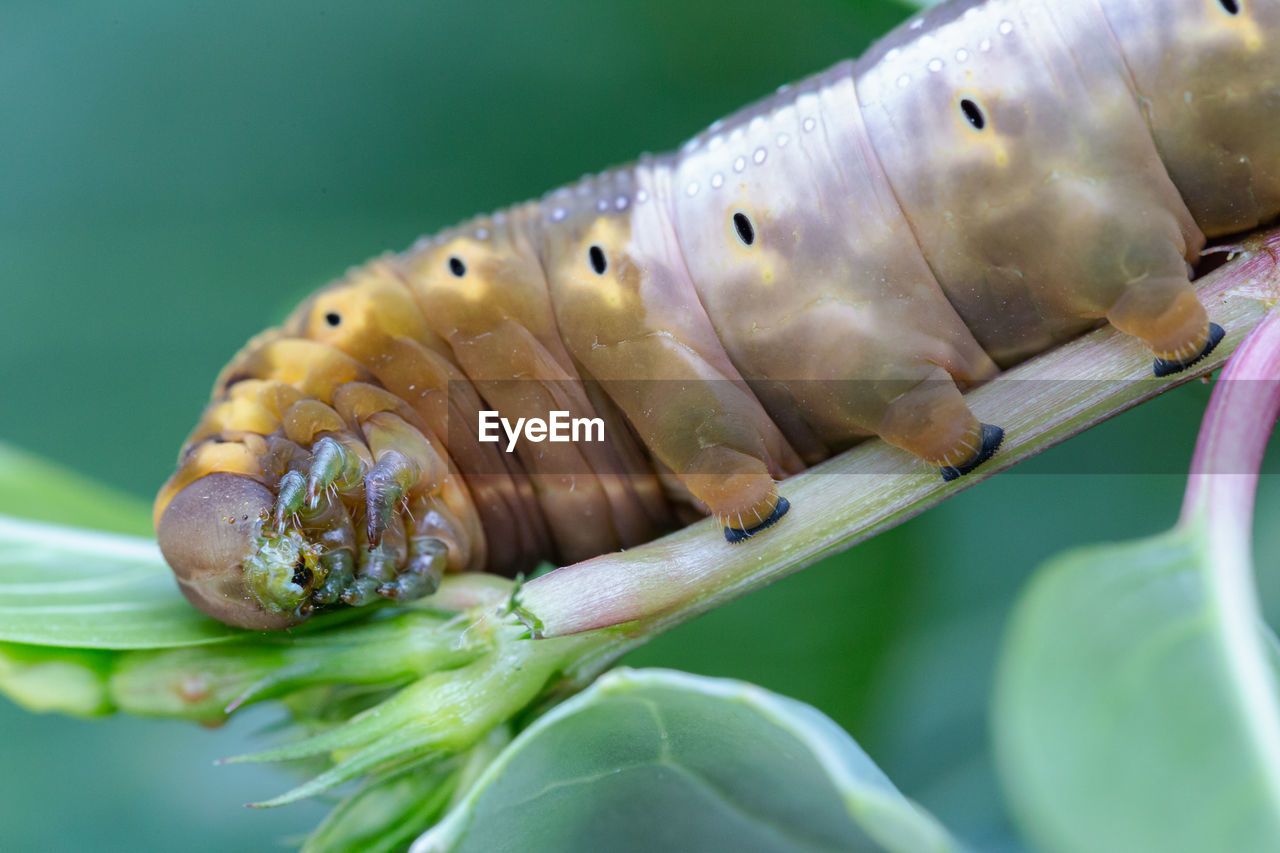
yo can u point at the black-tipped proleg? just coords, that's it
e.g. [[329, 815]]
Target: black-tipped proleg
[[733, 537], [992, 436], [1167, 367]]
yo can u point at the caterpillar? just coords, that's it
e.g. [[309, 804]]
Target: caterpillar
[[837, 261]]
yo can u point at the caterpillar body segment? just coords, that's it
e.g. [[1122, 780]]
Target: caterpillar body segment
[[488, 297], [630, 314], [1205, 73], [829, 309], [837, 261]]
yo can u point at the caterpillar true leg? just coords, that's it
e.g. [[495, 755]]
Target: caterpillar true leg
[[422, 574], [435, 542], [333, 465], [339, 576], [379, 564], [327, 523]]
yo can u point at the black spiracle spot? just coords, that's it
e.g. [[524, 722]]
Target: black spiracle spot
[[973, 113], [456, 266], [596, 256], [746, 231], [333, 318], [1231, 7]]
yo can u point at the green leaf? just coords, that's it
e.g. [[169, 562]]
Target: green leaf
[[662, 760], [62, 586], [70, 681], [76, 587], [35, 488], [1122, 718], [384, 815]]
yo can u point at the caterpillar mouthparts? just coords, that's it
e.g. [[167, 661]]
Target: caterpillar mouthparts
[[212, 532]]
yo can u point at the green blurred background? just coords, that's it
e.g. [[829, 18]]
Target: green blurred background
[[175, 175]]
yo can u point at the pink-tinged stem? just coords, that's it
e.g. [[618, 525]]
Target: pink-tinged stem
[[1218, 511], [1233, 436]]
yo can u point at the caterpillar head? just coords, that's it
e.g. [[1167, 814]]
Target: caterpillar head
[[217, 535], [310, 481]]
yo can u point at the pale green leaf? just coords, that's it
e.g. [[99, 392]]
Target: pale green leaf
[[35, 488], [660, 760], [62, 586], [1122, 719], [69, 681], [385, 815]]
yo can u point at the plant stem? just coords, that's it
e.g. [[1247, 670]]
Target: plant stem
[[1220, 498], [1233, 437]]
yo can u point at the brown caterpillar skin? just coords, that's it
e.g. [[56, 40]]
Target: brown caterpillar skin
[[832, 263]]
